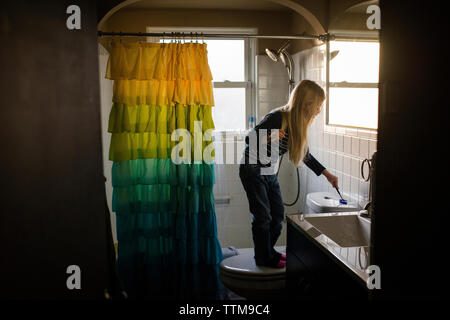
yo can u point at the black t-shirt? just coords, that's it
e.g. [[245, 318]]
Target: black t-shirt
[[272, 120]]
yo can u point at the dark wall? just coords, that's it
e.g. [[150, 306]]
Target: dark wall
[[103, 7], [52, 187], [411, 214]]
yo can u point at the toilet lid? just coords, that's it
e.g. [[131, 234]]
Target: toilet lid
[[244, 264]]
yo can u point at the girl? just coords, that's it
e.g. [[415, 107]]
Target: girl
[[283, 129]]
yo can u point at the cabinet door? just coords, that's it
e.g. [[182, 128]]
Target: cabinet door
[[53, 194], [315, 274], [300, 281]]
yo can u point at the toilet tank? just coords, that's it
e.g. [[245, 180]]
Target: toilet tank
[[325, 202]]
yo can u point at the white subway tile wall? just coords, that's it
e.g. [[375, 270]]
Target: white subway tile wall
[[341, 150], [272, 85]]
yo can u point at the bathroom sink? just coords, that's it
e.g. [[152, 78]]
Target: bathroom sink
[[345, 230]]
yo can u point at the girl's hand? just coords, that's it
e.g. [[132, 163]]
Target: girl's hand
[[281, 135], [332, 179]]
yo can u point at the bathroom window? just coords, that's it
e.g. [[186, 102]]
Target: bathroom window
[[232, 87], [353, 84], [233, 69]]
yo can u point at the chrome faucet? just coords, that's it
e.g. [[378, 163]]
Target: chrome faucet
[[366, 212]]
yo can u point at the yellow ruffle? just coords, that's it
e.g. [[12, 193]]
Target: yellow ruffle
[[163, 61], [163, 92], [158, 119]]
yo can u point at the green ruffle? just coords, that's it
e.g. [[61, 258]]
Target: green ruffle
[[162, 171], [149, 145], [158, 119], [145, 132]]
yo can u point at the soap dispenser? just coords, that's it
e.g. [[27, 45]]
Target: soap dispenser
[[251, 123]]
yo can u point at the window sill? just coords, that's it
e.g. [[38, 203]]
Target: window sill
[[230, 136], [349, 131]]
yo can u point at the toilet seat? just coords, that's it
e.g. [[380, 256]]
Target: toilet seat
[[241, 274], [243, 265]]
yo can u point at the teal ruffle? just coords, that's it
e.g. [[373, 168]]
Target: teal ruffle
[[185, 238], [162, 171], [169, 255], [162, 198]]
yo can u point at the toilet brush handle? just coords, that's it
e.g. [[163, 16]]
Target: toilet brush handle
[[339, 193]]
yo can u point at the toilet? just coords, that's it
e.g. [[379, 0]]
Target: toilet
[[326, 202], [241, 275]]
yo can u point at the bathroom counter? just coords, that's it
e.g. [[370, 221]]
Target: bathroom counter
[[315, 250]]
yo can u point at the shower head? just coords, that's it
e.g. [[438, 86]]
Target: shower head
[[285, 58], [274, 55]]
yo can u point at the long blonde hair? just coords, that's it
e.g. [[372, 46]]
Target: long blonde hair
[[298, 115]]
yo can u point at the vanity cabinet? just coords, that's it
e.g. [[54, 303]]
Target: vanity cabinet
[[314, 273]]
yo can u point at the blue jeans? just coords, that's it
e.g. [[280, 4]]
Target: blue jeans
[[266, 206]]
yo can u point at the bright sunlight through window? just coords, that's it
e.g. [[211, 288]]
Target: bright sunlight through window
[[230, 65], [353, 84], [226, 59]]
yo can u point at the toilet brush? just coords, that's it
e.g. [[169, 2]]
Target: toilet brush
[[342, 201]]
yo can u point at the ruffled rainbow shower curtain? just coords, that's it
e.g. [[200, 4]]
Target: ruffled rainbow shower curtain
[[162, 177]]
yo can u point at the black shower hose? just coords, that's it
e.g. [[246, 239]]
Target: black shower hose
[[298, 185]]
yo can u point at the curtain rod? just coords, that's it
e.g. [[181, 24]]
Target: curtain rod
[[322, 37]]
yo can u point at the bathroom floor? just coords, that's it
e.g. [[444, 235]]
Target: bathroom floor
[[227, 294]]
